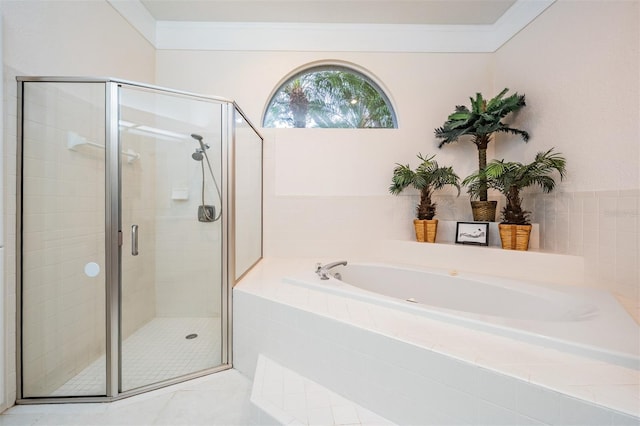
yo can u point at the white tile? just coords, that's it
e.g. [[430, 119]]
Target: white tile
[[345, 414], [624, 398], [494, 415], [338, 400], [171, 405], [300, 415], [538, 403], [577, 412], [320, 416], [495, 388], [619, 419], [370, 418], [27, 419], [294, 402], [318, 399], [276, 399], [293, 384], [314, 405]]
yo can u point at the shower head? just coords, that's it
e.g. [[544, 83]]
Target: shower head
[[197, 155], [203, 146]]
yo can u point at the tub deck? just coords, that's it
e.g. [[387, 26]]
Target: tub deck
[[596, 382]]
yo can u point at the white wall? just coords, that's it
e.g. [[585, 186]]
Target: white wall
[[74, 38], [56, 38], [324, 185], [579, 65]]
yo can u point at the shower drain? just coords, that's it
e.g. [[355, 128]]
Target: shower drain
[[191, 336]]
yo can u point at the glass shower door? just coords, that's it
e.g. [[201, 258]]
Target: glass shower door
[[171, 254], [61, 240]]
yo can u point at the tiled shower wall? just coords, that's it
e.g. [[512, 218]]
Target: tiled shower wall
[[188, 262]]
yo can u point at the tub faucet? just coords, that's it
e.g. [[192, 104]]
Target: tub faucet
[[323, 271]]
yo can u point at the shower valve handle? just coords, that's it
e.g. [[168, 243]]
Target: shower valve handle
[[134, 240]]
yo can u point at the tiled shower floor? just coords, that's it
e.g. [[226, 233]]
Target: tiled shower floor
[[157, 351]]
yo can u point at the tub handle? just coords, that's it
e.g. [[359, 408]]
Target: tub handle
[[323, 271], [134, 240]]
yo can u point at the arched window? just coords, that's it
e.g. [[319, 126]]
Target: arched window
[[329, 96]]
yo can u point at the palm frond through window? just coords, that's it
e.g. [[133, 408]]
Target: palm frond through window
[[331, 97]]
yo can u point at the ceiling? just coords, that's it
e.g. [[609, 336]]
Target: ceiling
[[429, 12]]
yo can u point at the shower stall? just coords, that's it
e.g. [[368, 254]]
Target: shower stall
[[138, 208]]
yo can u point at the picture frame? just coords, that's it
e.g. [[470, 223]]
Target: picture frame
[[475, 233]]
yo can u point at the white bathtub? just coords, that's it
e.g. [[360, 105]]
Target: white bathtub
[[575, 319]]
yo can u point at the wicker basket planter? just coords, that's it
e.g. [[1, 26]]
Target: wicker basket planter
[[484, 211], [514, 237], [426, 230]]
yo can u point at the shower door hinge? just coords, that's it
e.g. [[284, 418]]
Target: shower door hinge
[[119, 238]]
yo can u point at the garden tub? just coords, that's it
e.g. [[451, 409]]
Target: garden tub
[[580, 320]]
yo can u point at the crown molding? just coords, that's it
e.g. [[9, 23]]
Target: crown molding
[[138, 17], [321, 37], [518, 16], [243, 36]]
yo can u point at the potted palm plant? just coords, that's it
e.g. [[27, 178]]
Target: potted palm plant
[[510, 178], [480, 123], [426, 178]]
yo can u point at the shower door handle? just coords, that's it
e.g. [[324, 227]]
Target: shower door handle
[[134, 240]]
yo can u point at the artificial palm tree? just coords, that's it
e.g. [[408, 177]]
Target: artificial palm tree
[[481, 122], [426, 178], [511, 177]]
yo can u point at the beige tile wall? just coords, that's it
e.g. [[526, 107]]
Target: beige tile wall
[[601, 226]]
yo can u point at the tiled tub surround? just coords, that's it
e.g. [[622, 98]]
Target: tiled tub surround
[[415, 370], [601, 226]]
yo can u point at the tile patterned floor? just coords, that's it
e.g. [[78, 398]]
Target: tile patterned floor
[[157, 351], [218, 399], [291, 399]]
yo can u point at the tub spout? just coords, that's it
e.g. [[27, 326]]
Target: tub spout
[[323, 271]]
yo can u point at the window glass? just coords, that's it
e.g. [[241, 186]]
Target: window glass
[[332, 97]]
